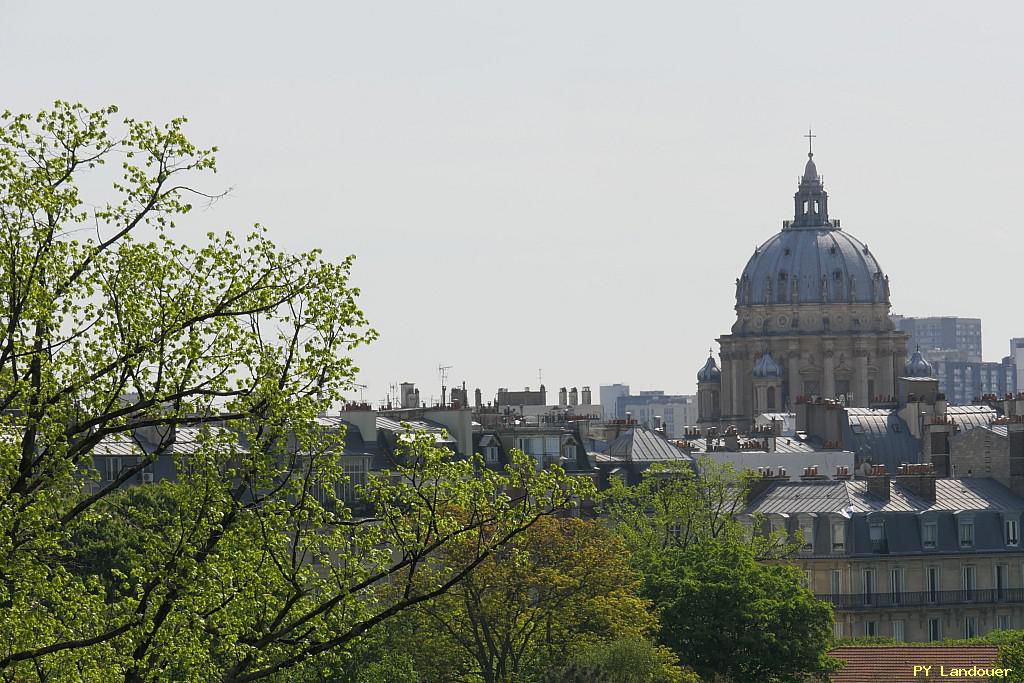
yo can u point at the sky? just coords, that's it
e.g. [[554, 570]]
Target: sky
[[571, 188]]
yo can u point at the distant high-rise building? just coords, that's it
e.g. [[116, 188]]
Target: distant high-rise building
[[610, 394], [655, 409], [945, 334], [1017, 358]]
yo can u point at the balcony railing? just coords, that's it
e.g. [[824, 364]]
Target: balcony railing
[[983, 596]]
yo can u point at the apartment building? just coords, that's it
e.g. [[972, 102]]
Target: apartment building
[[911, 557]]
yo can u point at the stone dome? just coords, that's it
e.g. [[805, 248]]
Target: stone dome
[[917, 366], [803, 265], [767, 368], [710, 372]]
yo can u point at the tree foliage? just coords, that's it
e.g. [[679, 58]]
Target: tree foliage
[[559, 588], [111, 328], [729, 605]]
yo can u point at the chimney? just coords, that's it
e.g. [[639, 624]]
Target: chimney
[[842, 473], [543, 395], [732, 439], [811, 474], [478, 398], [878, 482], [574, 397], [585, 396], [919, 479], [765, 481], [563, 399]]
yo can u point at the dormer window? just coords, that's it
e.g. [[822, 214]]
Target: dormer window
[[929, 534], [807, 532], [838, 536], [1011, 533], [966, 533], [876, 533]]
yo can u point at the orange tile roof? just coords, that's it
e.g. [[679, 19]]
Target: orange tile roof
[[896, 664]]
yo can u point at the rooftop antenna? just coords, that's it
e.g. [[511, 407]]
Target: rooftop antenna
[[442, 371], [540, 376]]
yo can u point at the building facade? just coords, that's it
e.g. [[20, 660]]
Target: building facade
[[656, 409], [913, 557], [812, 319]]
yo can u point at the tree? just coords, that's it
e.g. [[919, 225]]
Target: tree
[[674, 508], [725, 613], [729, 605], [624, 660], [111, 329], [561, 586]]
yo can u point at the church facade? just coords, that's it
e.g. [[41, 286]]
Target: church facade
[[812, 320]]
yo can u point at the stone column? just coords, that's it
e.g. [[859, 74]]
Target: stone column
[[737, 385], [887, 381], [828, 380], [860, 378], [726, 398], [794, 379]]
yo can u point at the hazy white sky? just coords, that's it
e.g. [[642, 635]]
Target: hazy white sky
[[572, 186]]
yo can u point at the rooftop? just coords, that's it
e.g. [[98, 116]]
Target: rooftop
[[851, 497]]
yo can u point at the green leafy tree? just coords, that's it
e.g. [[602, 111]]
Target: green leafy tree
[[729, 605], [112, 328], [726, 613], [559, 587], [624, 660]]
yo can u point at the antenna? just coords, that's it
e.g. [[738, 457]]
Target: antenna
[[540, 377], [442, 371]]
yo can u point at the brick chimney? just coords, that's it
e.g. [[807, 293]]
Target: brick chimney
[[919, 479], [842, 473], [768, 478], [878, 482], [811, 474]]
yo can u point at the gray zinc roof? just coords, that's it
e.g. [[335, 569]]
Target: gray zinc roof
[[969, 417], [639, 444], [880, 437], [837, 497]]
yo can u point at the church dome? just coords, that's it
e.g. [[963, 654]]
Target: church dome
[[918, 366], [710, 372], [767, 368], [812, 260]]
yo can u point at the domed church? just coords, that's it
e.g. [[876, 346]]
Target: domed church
[[812, 319]]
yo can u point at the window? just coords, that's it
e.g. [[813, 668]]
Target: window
[[1001, 581], [876, 532], [932, 584], [970, 627], [871, 628], [969, 582], [838, 537], [113, 469], [837, 581], [356, 470], [929, 533], [934, 629], [1003, 622], [966, 533], [490, 454], [808, 579], [837, 629], [570, 452], [807, 531], [868, 578], [897, 630], [1012, 538], [896, 584]]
